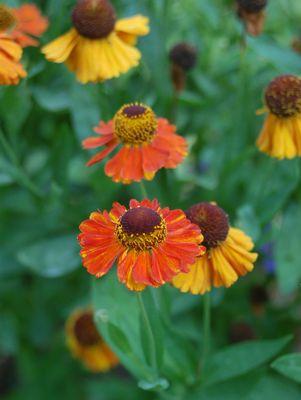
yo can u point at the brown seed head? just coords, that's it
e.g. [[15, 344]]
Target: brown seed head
[[85, 330], [283, 96], [183, 55], [94, 19], [212, 220]]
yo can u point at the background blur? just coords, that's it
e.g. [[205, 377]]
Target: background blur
[[45, 191]]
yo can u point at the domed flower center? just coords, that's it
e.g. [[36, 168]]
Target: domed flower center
[[94, 19], [7, 19], [135, 124], [283, 96], [85, 330], [252, 6], [183, 55], [141, 228], [212, 220]]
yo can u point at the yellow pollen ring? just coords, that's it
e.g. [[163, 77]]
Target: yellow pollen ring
[[135, 124], [7, 19], [141, 241]]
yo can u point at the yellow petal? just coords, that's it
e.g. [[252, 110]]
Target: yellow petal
[[60, 49]]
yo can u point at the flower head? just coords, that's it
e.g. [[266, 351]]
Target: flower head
[[86, 344], [252, 13], [11, 71], [29, 24], [98, 47], [7, 19], [147, 142], [281, 134], [151, 244], [183, 58], [228, 253]]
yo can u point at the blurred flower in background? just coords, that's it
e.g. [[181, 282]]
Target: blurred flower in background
[[252, 13], [98, 47], [29, 24], [183, 58], [148, 144], [241, 332], [267, 257], [281, 134], [228, 253], [151, 244], [86, 344]]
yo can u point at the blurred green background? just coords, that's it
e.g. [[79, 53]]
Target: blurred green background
[[46, 191]]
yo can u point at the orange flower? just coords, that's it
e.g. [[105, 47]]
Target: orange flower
[[228, 253], [10, 54], [148, 144], [150, 244], [29, 22], [86, 344]]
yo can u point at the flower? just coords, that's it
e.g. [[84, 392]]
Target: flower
[[228, 253], [148, 144], [252, 13], [183, 57], [29, 22], [281, 134], [10, 68], [151, 244], [98, 47], [7, 19], [86, 344]]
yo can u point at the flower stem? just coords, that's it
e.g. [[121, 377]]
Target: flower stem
[[143, 190], [206, 333], [149, 332]]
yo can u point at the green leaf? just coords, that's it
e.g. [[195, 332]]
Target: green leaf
[[289, 365], [242, 358], [287, 257], [52, 257]]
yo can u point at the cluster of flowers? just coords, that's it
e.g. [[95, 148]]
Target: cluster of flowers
[[193, 250]]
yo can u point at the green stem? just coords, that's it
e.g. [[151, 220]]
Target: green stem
[[143, 190], [19, 174], [149, 331], [206, 333]]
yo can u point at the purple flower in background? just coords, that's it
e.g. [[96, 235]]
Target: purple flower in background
[[268, 260]]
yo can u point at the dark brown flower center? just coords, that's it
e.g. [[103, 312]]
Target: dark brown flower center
[[252, 6], [85, 330], [283, 96], [140, 220], [134, 110], [183, 55], [94, 19], [7, 19], [212, 220]]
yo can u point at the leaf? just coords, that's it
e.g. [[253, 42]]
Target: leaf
[[242, 358], [52, 257], [287, 257], [289, 365]]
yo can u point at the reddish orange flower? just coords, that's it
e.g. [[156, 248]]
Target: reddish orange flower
[[29, 24], [151, 244], [147, 144], [10, 68]]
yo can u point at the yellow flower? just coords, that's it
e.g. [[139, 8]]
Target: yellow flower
[[98, 47], [280, 136], [228, 252], [86, 344]]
